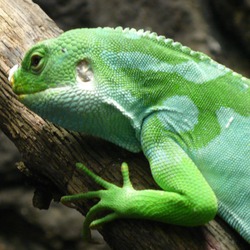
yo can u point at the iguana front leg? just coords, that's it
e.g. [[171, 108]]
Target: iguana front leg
[[186, 198], [193, 202]]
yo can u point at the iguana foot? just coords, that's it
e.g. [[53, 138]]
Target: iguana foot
[[112, 199]]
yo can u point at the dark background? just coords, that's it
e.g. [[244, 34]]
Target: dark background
[[218, 28]]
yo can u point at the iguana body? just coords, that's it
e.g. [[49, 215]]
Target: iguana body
[[187, 113]]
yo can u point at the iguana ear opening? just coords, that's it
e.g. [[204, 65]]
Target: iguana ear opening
[[85, 75], [84, 71]]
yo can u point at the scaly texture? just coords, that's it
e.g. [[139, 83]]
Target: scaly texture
[[188, 114]]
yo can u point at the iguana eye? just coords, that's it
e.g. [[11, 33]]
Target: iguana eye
[[36, 62]]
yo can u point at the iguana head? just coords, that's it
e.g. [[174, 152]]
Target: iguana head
[[50, 71], [48, 64], [55, 80]]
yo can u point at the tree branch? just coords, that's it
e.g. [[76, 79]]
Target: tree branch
[[49, 153]]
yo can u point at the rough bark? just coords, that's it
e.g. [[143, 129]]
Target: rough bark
[[49, 153]]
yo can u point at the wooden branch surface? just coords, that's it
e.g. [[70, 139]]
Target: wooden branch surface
[[49, 153]]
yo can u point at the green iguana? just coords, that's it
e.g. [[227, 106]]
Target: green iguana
[[188, 114]]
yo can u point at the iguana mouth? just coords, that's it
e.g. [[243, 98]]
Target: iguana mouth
[[16, 89]]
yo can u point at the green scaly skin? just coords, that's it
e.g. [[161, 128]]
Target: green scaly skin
[[188, 114]]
